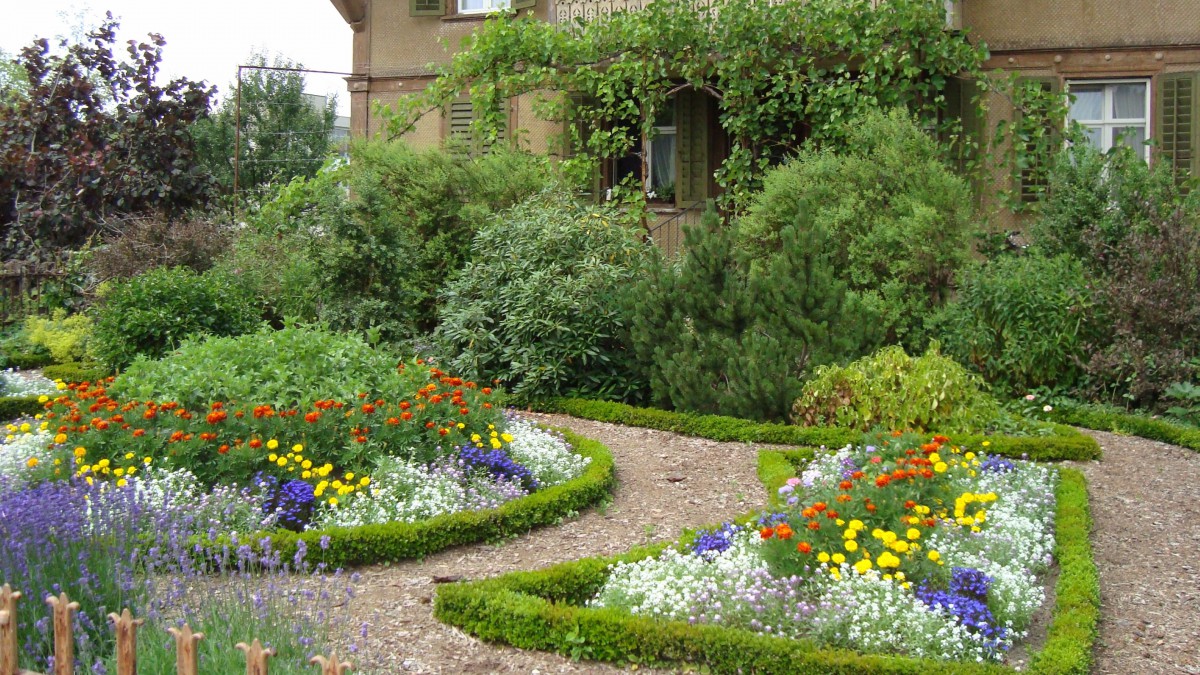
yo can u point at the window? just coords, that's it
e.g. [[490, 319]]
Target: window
[[481, 6], [1113, 112], [661, 151]]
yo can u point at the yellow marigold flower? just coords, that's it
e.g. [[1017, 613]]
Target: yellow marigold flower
[[31, 462], [965, 520], [122, 483], [131, 470], [934, 556], [475, 438], [862, 566], [935, 457], [349, 476], [25, 427], [887, 577], [337, 483], [103, 463], [496, 445], [318, 492], [491, 427], [80, 451], [12, 427], [900, 546], [877, 533], [838, 558], [823, 557], [272, 457], [282, 461], [913, 533], [851, 545], [900, 576], [44, 425], [365, 481], [460, 425], [307, 464], [129, 455], [333, 501], [90, 481], [118, 472], [272, 444], [43, 398], [969, 455], [147, 460], [306, 475], [857, 525], [60, 438], [888, 537], [507, 438], [297, 448], [60, 385], [940, 467], [57, 462], [886, 559], [850, 534], [835, 573]]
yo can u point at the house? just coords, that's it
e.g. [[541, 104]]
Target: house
[[1133, 67]]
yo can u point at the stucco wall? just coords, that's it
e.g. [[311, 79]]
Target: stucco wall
[[1064, 24]]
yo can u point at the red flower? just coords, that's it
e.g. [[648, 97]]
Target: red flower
[[941, 439], [463, 411], [405, 405], [871, 508], [255, 443], [224, 450], [368, 408], [909, 504], [766, 533], [883, 480], [876, 459], [360, 439], [138, 433], [858, 475], [430, 425], [443, 431], [406, 416], [362, 395], [393, 421], [312, 417], [486, 390], [845, 485], [814, 525], [804, 547]]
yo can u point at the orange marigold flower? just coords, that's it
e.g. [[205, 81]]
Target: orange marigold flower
[[406, 416], [809, 513], [766, 533], [909, 504], [368, 408], [360, 439], [831, 514], [405, 405], [783, 531], [138, 433], [463, 411], [393, 421], [858, 475], [487, 406], [871, 508], [844, 498], [819, 506], [312, 417], [883, 480], [896, 433], [814, 525], [845, 485], [255, 443], [927, 473], [804, 547], [443, 431], [941, 439], [362, 394], [224, 450]]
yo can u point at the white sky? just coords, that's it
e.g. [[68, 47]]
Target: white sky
[[206, 39]]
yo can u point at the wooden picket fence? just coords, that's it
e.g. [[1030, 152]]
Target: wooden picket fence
[[126, 627]]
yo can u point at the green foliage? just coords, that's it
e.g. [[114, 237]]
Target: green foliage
[[86, 371], [281, 270], [1065, 444], [65, 337], [391, 542], [779, 68], [1186, 399], [152, 314], [1023, 322], [895, 391], [539, 305], [1105, 418], [543, 610], [1095, 201], [718, 335], [284, 135], [899, 221], [76, 154], [12, 407], [295, 366]]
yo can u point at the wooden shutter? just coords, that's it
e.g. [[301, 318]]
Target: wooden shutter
[[426, 7], [1034, 177], [459, 121], [960, 105], [523, 4], [1178, 121], [691, 146]]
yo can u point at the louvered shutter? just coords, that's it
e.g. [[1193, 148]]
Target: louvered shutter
[[1034, 177], [459, 121], [1178, 121], [426, 7], [691, 143], [523, 4]]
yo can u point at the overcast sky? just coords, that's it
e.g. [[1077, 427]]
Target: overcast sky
[[206, 39]]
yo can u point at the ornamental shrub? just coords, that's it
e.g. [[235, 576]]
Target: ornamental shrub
[[899, 222], [891, 389], [65, 337], [718, 335], [153, 313], [1023, 322], [295, 366], [539, 305], [142, 244]]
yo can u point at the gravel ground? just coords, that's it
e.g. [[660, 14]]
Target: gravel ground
[[1147, 528]]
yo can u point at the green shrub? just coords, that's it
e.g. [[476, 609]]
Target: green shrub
[[899, 221], [1105, 418], [65, 337], [282, 270], [76, 372], [538, 307], [1022, 322], [893, 390], [1185, 400], [12, 407], [151, 314], [720, 335], [290, 367]]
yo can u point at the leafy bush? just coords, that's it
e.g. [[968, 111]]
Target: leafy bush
[[893, 390], [1023, 322], [65, 337], [152, 313], [718, 335], [297, 365], [281, 269], [1185, 397], [1095, 200], [899, 221], [71, 371], [538, 306], [142, 244]]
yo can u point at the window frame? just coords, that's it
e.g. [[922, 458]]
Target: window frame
[[491, 9], [1108, 124]]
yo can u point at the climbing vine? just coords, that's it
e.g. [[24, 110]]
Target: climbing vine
[[782, 74]]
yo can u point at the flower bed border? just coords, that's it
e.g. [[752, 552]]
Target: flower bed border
[[541, 610], [391, 542], [12, 407], [1126, 423], [1068, 444]]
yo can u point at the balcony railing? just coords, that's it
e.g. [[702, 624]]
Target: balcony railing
[[566, 12]]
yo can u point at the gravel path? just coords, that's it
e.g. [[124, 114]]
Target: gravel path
[[1144, 504]]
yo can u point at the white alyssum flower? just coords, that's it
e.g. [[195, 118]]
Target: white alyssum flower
[[23, 384], [24, 442], [546, 455]]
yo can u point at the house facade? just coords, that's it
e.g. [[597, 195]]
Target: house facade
[[1133, 67]]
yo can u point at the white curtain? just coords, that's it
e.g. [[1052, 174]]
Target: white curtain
[[1088, 103], [662, 160], [1129, 101]]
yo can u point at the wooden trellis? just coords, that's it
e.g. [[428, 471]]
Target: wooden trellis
[[126, 627]]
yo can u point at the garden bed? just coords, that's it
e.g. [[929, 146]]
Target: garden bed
[[543, 610]]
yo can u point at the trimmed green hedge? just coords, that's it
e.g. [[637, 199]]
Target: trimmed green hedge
[[1069, 445], [369, 544], [12, 407], [74, 371], [1125, 423], [543, 610]]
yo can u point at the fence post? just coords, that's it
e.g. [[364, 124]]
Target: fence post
[[331, 665], [185, 649], [256, 657], [64, 638], [8, 630], [126, 627]]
